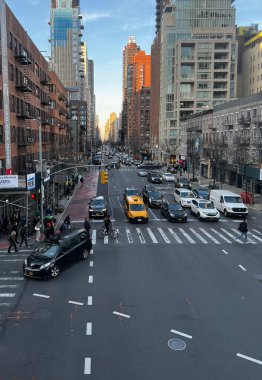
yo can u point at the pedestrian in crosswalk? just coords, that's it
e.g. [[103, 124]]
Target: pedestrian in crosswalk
[[243, 231], [12, 241]]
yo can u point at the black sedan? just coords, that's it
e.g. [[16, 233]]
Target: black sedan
[[173, 212], [201, 192], [97, 207], [152, 198]]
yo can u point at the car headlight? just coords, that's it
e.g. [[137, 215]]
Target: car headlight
[[45, 265], [90, 209], [25, 261], [230, 208], [104, 209], [172, 215]]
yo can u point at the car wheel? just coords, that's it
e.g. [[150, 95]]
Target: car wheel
[[225, 212], [54, 272], [198, 216], [85, 254], [191, 211]]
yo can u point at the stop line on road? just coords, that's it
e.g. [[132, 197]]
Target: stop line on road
[[177, 235]]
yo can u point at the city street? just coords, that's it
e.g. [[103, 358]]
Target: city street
[[164, 300]]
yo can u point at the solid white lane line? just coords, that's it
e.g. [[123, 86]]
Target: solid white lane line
[[129, 236], [14, 271], [90, 279], [106, 239], [175, 235], [140, 235], [220, 235], [150, 233], [76, 303], [164, 236], [94, 237], [210, 236], [225, 251], [13, 260], [90, 301], [2, 295], [187, 236], [248, 238], [91, 263], [182, 334], [152, 213], [11, 278], [121, 314], [89, 328], [198, 235], [91, 252], [87, 369], [241, 267], [8, 286], [250, 359], [40, 295], [5, 304]]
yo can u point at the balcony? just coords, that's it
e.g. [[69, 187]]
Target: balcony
[[241, 141], [23, 59], [44, 80], [257, 120], [46, 121], [23, 87], [24, 114], [186, 95], [187, 58], [244, 121], [45, 101]]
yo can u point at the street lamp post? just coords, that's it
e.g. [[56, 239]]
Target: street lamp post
[[40, 157]]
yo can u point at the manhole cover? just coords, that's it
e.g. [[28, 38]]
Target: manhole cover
[[176, 344]]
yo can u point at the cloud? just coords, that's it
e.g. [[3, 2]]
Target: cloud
[[96, 16]]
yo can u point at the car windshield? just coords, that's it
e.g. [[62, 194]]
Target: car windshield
[[139, 207], [175, 207], [187, 195], [132, 192], [46, 250], [231, 199], [206, 205], [169, 175], [154, 194], [184, 180], [97, 202]]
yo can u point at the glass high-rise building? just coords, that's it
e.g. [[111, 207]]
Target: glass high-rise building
[[65, 24]]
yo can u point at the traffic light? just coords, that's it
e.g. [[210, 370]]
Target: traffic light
[[33, 196], [103, 177]]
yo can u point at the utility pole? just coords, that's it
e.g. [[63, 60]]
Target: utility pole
[[42, 189]]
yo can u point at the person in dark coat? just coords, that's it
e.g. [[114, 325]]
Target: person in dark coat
[[12, 241], [23, 233], [87, 226], [243, 231]]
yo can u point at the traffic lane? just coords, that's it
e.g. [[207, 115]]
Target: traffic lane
[[197, 292], [48, 334]]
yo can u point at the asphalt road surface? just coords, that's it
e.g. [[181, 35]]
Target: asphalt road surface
[[163, 301]]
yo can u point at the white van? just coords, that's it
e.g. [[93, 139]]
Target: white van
[[229, 203]]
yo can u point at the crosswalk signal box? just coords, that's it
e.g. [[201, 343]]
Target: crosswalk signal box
[[103, 177]]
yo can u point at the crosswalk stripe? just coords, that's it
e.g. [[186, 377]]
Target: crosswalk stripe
[[140, 235], [198, 236], [106, 239], [175, 236], [164, 236], [258, 232], [129, 236], [256, 237], [5, 295], [187, 236], [150, 233], [220, 235], [248, 238], [210, 236], [94, 237], [229, 234]]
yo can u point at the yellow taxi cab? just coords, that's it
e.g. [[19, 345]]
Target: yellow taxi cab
[[135, 209]]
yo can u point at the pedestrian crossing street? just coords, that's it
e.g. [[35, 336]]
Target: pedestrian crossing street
[[177, 235]]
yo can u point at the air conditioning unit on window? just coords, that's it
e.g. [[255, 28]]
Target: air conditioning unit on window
[[30, 140]]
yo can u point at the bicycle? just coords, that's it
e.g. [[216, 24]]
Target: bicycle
[[112, 233]]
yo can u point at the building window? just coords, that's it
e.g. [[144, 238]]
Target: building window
[[1, 134]]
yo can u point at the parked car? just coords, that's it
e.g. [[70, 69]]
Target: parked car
[[52, 254], [184, 197], [154, 177], [182, 182], [204, 210], [142, 173], [137, 162], [97, 207], [168, 177], [173, 212], [130, 191], [229, 203], [152, 198], [201, 192]]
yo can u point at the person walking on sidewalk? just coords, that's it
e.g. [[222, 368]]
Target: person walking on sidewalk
[[23, 233], [243, 231], [68, 221], [12, 241], [38, 232]]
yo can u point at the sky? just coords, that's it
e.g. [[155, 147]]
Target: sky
[[108, 24]]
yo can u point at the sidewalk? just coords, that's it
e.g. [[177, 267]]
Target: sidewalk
[[76, 206]]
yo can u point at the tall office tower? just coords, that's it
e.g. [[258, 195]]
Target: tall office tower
[[198, 63], [155, 78], [127, 82], [92, 108], [139, 73], [66, 54]]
